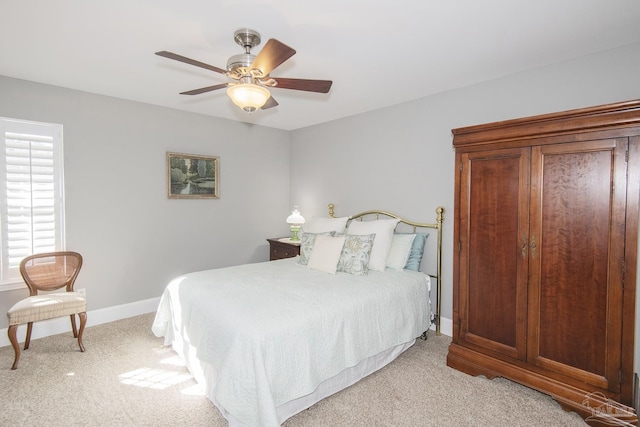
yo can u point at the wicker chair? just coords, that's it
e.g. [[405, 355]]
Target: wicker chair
[[48, 272]]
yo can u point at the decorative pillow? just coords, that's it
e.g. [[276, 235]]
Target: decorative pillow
[[356, 251], [326, 253], [325, 225], [383, 229], [306, 245], [400, 250], [417, 250]]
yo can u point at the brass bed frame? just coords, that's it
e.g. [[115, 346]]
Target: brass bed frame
[[415, 225]]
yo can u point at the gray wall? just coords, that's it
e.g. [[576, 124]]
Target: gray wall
[[401, 158], [132, 237]]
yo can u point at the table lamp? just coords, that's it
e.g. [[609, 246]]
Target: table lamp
[[295, 220]]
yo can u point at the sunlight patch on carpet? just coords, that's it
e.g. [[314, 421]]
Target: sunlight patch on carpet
[[174, 361], [153, 378]]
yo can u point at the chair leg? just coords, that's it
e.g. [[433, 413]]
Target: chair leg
[[83, 321], [12, 332], [73, 325], [27, 341]]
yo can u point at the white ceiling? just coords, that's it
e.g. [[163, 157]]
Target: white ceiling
[[378, 53]]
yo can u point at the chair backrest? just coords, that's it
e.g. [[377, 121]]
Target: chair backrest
[[50, 271]]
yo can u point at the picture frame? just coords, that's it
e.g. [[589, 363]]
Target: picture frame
[[191, 176]]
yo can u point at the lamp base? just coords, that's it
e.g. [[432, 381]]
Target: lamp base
[[295, 229]]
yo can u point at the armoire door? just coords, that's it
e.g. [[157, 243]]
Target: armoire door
[[576, 255], [493, 221]]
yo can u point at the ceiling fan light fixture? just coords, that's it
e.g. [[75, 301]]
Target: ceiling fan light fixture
[[248, 96], [250, 91]]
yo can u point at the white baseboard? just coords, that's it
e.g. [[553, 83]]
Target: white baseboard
[[61, 325], [446, 327]]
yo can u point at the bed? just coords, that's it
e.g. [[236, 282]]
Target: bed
[[268, 340]]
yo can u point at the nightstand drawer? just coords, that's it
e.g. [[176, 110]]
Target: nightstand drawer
[[280, 250]]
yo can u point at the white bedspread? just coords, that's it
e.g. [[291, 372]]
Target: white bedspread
[[274, 331]]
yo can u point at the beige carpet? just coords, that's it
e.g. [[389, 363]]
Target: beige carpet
[[128, 378]]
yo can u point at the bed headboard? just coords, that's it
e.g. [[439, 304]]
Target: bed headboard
[[437, 225]]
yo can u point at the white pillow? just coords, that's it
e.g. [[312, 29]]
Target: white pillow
[[326, 253], [400, 250], [383, 229], [325, 225]]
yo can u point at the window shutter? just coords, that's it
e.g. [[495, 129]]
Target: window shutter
[[31, 194]]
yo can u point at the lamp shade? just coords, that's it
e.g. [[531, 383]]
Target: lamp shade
[[296, 217], [248, 96]]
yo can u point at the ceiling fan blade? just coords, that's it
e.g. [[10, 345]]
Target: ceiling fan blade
[[270, 103], [190, 61], [321, 86], [271, 56], [204, 89]]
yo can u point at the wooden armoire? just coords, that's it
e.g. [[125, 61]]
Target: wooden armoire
[[545, 254]]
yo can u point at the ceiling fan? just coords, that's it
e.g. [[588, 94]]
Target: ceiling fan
[[250, 73]]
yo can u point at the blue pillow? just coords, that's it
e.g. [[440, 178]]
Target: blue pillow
[[417, 250]]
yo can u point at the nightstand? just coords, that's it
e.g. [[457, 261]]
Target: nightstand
[[283, 248]]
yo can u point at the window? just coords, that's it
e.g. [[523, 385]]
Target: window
[[31, 194]]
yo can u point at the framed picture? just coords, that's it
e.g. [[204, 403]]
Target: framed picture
[[193, 177]]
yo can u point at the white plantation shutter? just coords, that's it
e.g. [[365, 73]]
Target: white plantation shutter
[[31, 193]]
